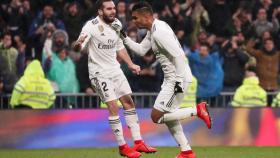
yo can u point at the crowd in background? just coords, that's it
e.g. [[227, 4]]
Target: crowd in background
[[221, 39]]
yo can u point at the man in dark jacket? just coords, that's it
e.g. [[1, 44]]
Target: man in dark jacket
[[234, 61]]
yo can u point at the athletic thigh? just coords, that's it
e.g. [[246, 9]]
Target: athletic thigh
[[121, 85], [167, 100]]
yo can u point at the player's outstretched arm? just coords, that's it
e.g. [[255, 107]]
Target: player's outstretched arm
[[138, 48], [123, 55]]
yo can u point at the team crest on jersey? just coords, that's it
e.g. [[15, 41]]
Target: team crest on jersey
[[100, 28]]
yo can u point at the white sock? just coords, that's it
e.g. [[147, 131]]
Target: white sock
[[116, 126], [177, 132], [179, 114], [132, 122]]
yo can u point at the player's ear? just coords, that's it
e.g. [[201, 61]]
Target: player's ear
[[100, 12]]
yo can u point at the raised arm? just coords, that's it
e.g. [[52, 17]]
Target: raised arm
[[250, 48], [137, 48]]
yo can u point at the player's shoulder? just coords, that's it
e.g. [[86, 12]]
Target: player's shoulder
[[92, 22], [160, 28]]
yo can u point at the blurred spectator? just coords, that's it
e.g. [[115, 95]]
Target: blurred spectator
[[219, 15], [177, 14], [268, 59], [260, 41], [84, 82], [234, 61], [59, 67], [33, 90], [122, 13], [2, 25], [261, 24], [44, 23], [21, 47], [54, 43], [202, 37], [150, 75], [207, 69], [265, 4], [132, 33], [241, 22], [18, 17], [89, 8], [83, 76], [10, 63], [73, 19], [1, 83], [61, 70], [166, 15], [200, 19], [250, 94]]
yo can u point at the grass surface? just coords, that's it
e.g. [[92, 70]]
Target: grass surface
[[202, 152]]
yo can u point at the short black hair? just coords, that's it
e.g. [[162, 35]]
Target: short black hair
[[142, 6], [99, 3]]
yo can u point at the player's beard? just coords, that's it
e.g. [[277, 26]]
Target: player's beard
[[109, 18]]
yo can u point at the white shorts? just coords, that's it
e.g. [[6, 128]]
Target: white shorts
[[111, 88], [166, 100]]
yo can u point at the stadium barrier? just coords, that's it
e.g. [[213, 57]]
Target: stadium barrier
[[142, 100], [89, 128]]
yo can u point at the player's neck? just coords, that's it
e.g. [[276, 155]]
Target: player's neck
[[150, 23]]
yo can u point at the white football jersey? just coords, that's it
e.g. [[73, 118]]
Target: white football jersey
[[102, 43], [166, 47]]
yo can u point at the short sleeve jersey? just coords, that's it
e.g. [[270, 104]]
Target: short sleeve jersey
[[102, 43]]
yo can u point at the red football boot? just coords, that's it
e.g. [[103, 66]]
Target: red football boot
[[128, 152], [141, 146], [186, 154], [202, 113]]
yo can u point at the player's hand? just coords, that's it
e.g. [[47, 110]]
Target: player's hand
[[78, 44], [117, 26], [178, 87], [135, 68]]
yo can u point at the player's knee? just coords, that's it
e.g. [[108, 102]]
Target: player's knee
[[155, 118]]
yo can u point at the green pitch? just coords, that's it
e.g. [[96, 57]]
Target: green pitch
[[202, 152]]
